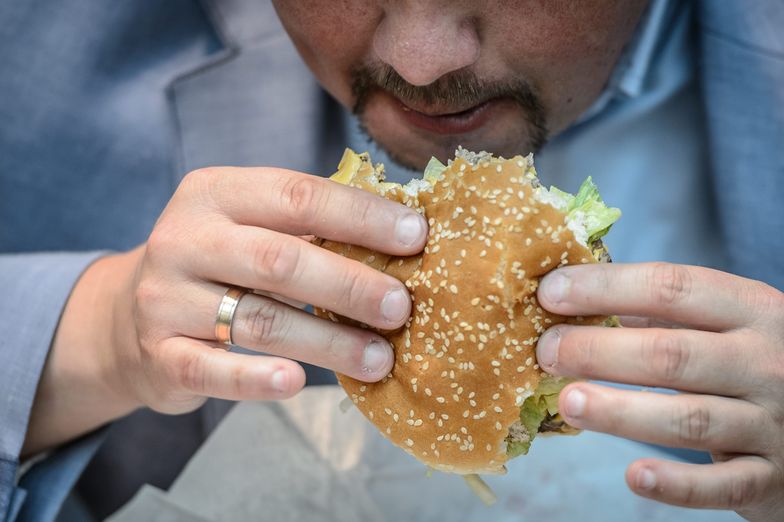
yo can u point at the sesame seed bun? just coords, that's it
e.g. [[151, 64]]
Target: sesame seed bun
[[465, 361]]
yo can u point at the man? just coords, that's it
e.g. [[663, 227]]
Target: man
[[91, 155]]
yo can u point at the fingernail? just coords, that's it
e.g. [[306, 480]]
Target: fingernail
[[395, 305], [547, 348], [575, 403], [555, 286], [280, 380], [377, 357], [410, 229], [646, 479]]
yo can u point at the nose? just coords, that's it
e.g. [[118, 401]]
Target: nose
[[422, 43]]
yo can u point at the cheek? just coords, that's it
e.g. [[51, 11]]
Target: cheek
[[331, 36], [568, 49]]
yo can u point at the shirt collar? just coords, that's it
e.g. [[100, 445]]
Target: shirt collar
[[629, 76]]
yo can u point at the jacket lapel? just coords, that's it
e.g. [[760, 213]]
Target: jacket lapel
[[255, 103]]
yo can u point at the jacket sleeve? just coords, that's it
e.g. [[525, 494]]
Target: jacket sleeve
[[33, 291]]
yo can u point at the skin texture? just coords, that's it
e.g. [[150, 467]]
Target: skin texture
[[137, 330], [154, 346], [716, 337], [564, 50]]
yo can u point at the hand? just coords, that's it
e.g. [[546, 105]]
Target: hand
[[717, 337], [239, 227]]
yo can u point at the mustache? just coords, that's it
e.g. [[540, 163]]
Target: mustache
[[460, 88]]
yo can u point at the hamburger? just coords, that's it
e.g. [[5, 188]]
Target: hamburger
[[465, 394]]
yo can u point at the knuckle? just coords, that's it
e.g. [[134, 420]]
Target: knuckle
[[362, 211], [239, 382], [669, 284], [189, 372], [353, 289], [333, 344], [689, 495], [666, 356], [199, 182], [581, 357], [740, 491], [692, 425], [770, 301], [264, 323], [276, 261], [147, 295], [163, 240], [301, 197]]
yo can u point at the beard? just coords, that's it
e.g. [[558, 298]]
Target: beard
[[457, 89]]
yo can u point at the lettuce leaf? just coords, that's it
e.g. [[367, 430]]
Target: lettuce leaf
[[434, 170], [534, 410], [588, 207]]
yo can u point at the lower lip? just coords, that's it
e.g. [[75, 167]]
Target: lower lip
[[457, 123]]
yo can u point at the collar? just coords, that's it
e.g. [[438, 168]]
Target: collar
[[628, 80]]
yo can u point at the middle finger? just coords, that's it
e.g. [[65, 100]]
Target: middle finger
[[262, 259], [686, 360]]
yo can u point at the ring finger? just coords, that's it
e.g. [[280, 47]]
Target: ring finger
[[701, 422], [266, 325]]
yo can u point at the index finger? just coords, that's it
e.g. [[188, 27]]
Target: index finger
[[300, 204], [689, 295]]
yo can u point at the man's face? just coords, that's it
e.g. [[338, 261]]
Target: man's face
[[427, 76]]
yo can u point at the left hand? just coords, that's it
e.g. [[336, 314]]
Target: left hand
[[715, 336]]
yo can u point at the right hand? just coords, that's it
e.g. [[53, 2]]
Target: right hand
[[243, 227]]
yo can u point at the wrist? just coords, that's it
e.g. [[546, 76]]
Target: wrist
[[118, 345], [83, 385]]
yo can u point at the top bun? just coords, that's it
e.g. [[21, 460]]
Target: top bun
[[465, 360]]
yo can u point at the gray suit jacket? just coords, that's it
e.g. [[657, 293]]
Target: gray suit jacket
[[106, 105]]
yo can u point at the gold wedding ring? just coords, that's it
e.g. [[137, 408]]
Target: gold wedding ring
[[228, 306]]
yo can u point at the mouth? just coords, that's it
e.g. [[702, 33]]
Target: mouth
[[445, 120]]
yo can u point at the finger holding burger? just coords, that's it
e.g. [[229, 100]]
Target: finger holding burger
[[222, 263], [716, 337]]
